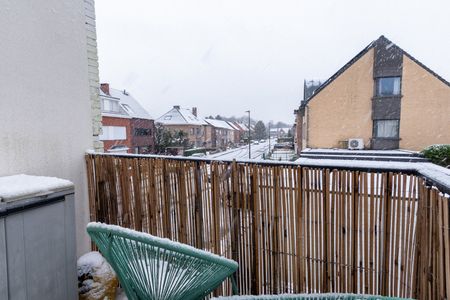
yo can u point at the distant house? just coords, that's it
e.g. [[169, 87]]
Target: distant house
[[222, 134], [383, 96], [244, 130], [127, 126], [187, 121], [238, 132]]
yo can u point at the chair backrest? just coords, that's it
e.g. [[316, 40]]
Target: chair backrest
[[150, 267], [325, 296]]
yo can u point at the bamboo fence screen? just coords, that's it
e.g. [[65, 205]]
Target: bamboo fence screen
[[292, 229]]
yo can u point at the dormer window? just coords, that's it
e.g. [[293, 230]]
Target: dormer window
[[388, 86], [110, 105]]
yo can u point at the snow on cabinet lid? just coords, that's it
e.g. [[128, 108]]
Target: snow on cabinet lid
[[22, 186]]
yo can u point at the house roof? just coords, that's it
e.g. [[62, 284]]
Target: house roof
[[239, 126], [129, 107], [234, 126], [180, 116], [219, 124], [358, 56], [245, 126]]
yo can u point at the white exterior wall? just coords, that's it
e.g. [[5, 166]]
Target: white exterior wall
[[45, 104]]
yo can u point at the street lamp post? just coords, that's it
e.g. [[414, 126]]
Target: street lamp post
[[249, 141]]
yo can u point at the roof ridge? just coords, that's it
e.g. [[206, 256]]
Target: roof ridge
[[362, 53], [178, 110], [343, 69]]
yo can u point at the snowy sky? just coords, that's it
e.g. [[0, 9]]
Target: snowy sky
[[226, 57]]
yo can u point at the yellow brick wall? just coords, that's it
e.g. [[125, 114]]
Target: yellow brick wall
[[425, 108], [343, 109]]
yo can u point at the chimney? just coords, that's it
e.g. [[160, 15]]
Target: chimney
[[176, 106], [194, 111], [105, 88]]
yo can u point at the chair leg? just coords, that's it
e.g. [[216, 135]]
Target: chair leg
[[234, 285]]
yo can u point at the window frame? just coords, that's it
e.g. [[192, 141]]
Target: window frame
[[140, 131], [378, 81], [113, 106], [375, 129], [113, 133]]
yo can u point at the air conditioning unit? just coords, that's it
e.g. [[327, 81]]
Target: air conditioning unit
[[356, 144]]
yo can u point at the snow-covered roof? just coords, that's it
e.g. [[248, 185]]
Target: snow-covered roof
[[130, 107], [234, 126], [180, 116], [219, 124], [245, 126]]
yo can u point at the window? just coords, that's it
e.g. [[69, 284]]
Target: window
[[169, 117], [110, 105], [110, 133], [142, 132], [388, 86], [128, 108], [386, 128]]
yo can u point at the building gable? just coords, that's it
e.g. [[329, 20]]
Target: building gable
[[390, 49], [384, 96], [342, 109]]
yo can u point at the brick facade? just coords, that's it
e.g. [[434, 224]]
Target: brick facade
[[123, 122], [196, 134], [142, 143]]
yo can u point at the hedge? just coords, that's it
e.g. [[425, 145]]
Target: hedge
[[438, 154]]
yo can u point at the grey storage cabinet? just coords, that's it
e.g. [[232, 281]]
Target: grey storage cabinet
[[37, 245]]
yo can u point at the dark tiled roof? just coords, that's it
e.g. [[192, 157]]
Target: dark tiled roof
[[358, 56]]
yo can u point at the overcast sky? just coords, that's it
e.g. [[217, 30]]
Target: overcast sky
[[226, 57]]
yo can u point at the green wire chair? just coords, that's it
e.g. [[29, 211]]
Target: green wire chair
[[149, 267], [326, 296]]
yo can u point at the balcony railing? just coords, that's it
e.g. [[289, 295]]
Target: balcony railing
[[292, 228]]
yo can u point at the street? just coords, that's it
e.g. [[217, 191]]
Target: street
[[241, 153]]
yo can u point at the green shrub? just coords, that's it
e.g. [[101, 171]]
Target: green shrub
[[438, 154]]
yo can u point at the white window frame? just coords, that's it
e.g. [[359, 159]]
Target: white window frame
[[113, 133], [386, 129]]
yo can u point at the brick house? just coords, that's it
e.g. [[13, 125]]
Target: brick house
[[222, 133], [127, 126], [186, 120], [383, 96], [237, 132]]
